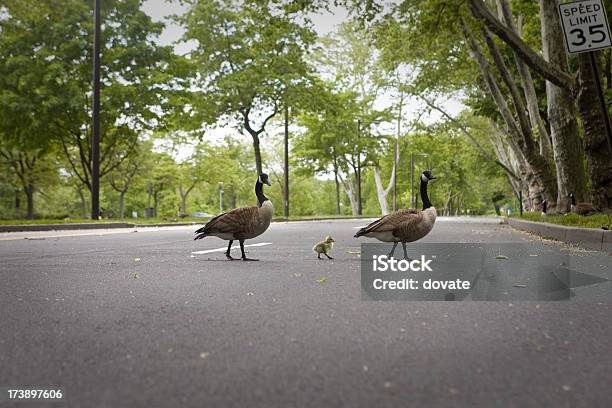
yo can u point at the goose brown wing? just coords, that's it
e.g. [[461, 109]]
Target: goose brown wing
[[236, 222], [390, 221], [408, 225]]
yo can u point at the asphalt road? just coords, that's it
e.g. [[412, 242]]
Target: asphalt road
[[135, 319]]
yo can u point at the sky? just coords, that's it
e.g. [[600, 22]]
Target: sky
[[324, 23]]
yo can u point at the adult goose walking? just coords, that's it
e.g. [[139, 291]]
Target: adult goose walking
[[581, 208], [241, 223], [406, 225]]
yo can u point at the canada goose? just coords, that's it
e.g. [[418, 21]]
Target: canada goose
[[581, 208], [241, 223], [406, 225], [324, 247], [544, 205]]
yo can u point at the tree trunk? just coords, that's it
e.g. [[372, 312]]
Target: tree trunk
[[350, 192], [17, 199], [83, 202], [155, 204], [537, 124], [257, 152], [535, 163], [448, 205], [381, 192], [567, 149], [598, 156], [122, 205], [29, 192]]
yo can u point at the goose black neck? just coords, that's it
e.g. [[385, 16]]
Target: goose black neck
[[424, 197], [544, 205], [573, 199], [259, 193]]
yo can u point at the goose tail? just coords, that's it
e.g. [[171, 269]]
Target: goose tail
[[200, 236], [360, 232]]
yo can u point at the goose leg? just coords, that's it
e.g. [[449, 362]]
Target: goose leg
[[319, 255], [392, 250], [328, 257], [244, 258], [405, 253], [227, 253]]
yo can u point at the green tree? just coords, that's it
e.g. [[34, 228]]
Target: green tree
[[45, 78], [247, 56]]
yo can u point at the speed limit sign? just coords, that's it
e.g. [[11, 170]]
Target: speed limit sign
[[585, 26]]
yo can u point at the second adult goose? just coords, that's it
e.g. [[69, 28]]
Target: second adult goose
[[581, 208], [405, 225], [241, 223]]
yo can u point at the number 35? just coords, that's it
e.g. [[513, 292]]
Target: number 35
[[595, 30]]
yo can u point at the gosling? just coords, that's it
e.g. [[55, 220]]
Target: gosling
[[324, 247]]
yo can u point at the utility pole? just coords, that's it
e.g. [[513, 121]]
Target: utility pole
[[359, 208], [286, 192], [95, 136]]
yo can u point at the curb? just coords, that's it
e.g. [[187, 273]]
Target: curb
[[107, 225], [53, 227], [589, 238]]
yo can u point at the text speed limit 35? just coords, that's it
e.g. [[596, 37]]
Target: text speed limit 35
[[585, 25]]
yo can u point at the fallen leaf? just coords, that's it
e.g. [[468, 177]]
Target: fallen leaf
[[204, 355], [322, 280], [354, 252], [136, 275], [297, 275], [249, 293], [501, 257], [519, 285], [136, 259]]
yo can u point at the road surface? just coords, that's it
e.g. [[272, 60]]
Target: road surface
[[136, 319]]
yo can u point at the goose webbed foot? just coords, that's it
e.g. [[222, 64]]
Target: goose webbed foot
[[244, 257], [328, 257]]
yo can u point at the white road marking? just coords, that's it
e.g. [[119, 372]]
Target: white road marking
[[41, 235], [208, 251]]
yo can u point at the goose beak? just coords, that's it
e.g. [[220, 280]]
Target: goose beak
[[268, 183]]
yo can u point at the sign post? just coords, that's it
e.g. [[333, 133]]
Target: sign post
[[586, 29]]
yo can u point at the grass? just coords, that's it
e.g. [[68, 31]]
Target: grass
[[571, 219], [167, 220], [139, 221]]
